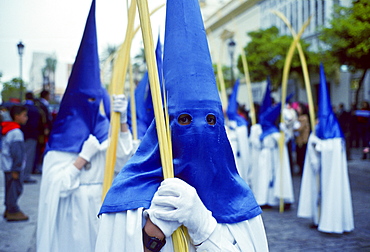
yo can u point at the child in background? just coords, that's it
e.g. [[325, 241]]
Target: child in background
[[13, 161]]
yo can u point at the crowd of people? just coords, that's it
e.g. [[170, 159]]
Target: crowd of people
[[36, 130], [225, 170], [22, 155], [355, 124]]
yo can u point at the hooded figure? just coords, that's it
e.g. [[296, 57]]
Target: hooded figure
[[73, 167], [212, 197], [143, 97], [267, 100], [237, 132], [255, 135], [325, 195], [274, 179]]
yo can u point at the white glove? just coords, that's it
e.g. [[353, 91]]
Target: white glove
[[167, 227], [283, 127], [177, 201], [315, 141], [90, 147], [120, 105], [296, 125]]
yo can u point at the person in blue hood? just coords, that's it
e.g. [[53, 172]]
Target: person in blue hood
[[74, 163], [207, 195], [254, 137], [274, 179], [325, 195], [143, 98], [237, 131]]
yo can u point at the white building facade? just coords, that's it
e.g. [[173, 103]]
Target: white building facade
[[238, 17]]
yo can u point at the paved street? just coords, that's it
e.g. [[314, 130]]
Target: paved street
[[285, 232]]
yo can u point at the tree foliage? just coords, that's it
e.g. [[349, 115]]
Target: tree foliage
[[226, 72], [266, 53], [349, 37], [11, 89]]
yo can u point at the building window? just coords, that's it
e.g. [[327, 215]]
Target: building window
[[285, 12], [291, 14], [323, 12], [316, 13], [303, 4], [296, 15]]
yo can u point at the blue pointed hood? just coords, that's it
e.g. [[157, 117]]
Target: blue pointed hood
[[289, 97], [142, 92], [232, 109], [106, 103], [328, 126], [267, 101], [268, 119], [143, 97], [191, 88], [79, 114]]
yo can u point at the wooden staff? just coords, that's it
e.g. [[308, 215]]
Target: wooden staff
[[132, 86], [132, 105], [114, 56], [249, 86], [304, 70], [163, 132], [284, 83], [118, 80]]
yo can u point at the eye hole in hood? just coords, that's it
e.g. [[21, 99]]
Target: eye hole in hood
[[211, 119], [184, 119]]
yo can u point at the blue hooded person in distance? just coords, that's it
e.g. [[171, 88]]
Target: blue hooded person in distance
[[254, 138], [237, 132], [325, 195], [202, 156], [143, 97], [73, 167], [274, 179]]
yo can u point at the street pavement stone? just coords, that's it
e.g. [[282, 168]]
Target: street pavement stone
[[285, 231]]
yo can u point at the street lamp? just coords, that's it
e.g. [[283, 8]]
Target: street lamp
[[20, 47], [231, 49]]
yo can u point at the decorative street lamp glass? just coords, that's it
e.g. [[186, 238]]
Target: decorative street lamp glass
[[231, 49], [20, 48]]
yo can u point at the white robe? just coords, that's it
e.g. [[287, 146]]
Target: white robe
[[70, 199], [274, 180], [238, 137], [325, 173], [255, 150], [121, 232]]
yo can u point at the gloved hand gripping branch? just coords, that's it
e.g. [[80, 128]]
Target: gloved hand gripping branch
[[120, 105], [177, 203]]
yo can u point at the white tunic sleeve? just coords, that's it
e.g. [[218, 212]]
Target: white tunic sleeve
[[121, 232], [242, 236], [124, 150], [58, 168]]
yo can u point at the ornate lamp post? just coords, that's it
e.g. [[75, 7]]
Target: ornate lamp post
[[20, 47], [231, 49]]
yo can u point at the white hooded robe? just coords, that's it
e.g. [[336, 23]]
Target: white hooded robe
[[325, 195], [70, 199]]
